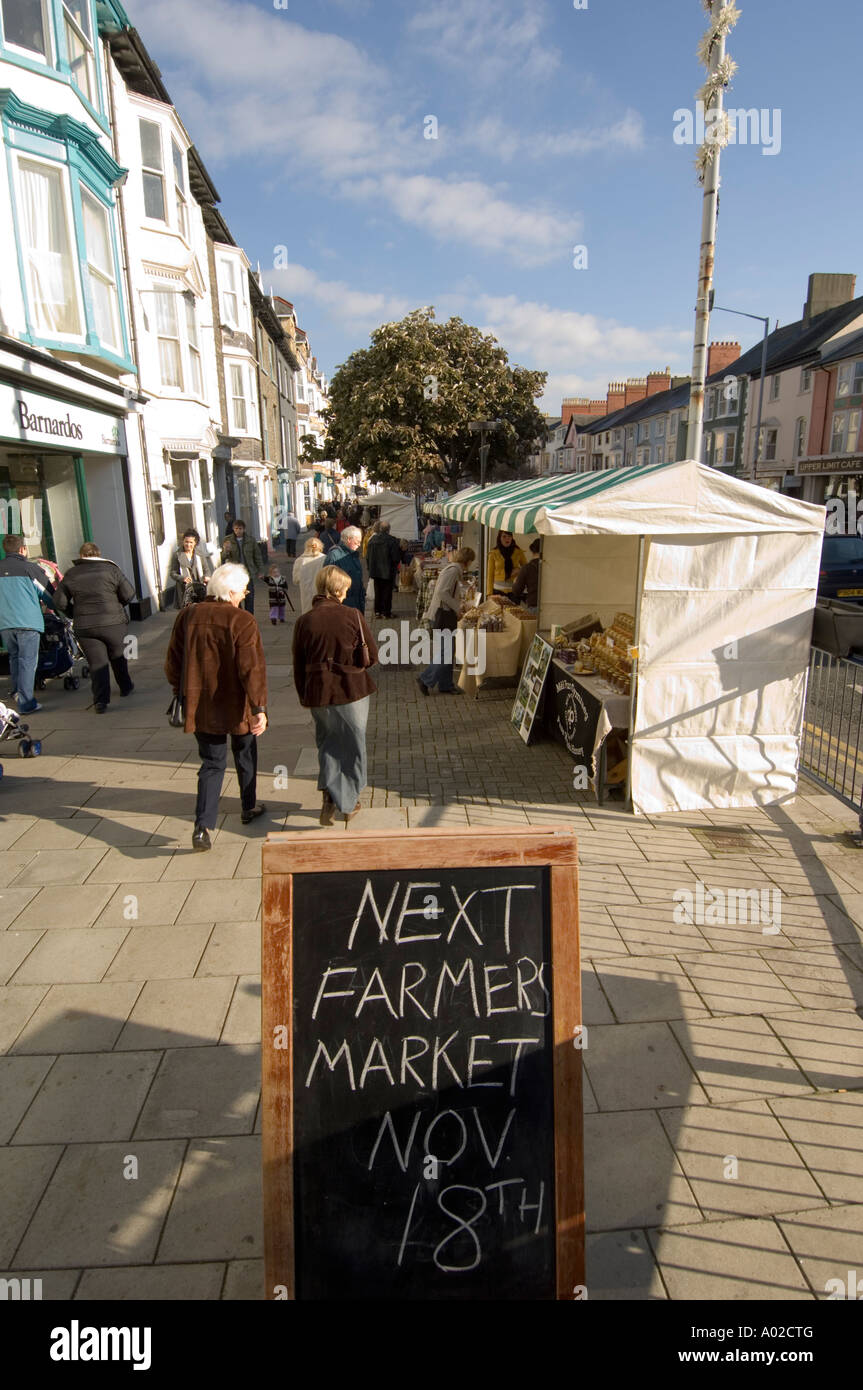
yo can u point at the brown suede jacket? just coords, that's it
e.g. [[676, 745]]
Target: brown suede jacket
[[325, 642], [225, 678]]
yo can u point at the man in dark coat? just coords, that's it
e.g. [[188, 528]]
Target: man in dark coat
[[215, 660], [96, 592], [241, 549], [346, 555], [383, 558]]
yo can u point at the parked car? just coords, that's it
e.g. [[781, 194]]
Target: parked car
[[841, 571]]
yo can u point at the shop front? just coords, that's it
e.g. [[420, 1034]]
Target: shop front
[[64, 476]]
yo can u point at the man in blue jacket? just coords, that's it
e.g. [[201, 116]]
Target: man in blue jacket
[[22, 586], [346, 556]]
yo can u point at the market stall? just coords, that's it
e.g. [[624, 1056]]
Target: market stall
[[399, 511], [719, 577]]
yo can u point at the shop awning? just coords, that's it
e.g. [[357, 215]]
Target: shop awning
[[679, 498]]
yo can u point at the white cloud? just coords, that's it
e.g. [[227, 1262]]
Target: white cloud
[[361, 309], [593, 349], [470, 211], [493, 40], [493, 137]]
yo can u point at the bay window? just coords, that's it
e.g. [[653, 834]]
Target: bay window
[[25, 27], [153, 174], [239, 397], [48, 248], [100, 270], [196, 380], [79, 46], [168, 329], [180, 189]]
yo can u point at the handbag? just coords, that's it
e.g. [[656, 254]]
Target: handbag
[[176, 710], [362, 655]]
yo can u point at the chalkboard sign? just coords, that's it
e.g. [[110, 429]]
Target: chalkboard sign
[[529, 696], [421, 1066]]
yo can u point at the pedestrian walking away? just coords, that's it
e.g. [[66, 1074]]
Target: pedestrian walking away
[[443, 613], [333, 647], [23, 589], [346, 557], [94, 594], [305, 569], [215, 662], [241, 549], [383, 558], [292, 531], [190, 571]]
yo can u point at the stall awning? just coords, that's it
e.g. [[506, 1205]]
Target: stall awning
[[681, 498]]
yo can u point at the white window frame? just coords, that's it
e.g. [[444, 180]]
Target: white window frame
[[172, 296], [71, 23], [709, 404], [181, 195], [193, 349], [660, 427], [775, 385], [800, 437], [769, 440], [231, 286], [49, 57], [21, 157], [108, 277], [805, 380], [149, 171], [660, 454], [248, 397], [849, 421], [672, 422]]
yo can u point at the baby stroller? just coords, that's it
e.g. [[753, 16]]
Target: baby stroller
[[12, 727], [58, 653]]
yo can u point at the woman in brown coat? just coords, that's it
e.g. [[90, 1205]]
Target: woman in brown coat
[[216, 661], [330, 643]]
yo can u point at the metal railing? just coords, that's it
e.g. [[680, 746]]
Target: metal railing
[[830, 751]]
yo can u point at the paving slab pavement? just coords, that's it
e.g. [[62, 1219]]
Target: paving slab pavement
[[724, 1061]]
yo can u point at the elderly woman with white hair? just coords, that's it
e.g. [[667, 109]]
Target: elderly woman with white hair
[[215, 661], [346, 556], [305, 569]]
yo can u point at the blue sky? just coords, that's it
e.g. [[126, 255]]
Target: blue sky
[[555, 129]]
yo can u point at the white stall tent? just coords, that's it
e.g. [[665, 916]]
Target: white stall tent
[[400, 512], [722, 578]]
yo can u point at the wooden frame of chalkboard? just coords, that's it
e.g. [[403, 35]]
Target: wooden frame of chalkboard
[[541, 1263]]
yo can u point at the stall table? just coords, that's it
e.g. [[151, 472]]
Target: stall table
[[504, 653], [581, 711]]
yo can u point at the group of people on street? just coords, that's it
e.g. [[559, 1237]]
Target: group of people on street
[[93, 593]]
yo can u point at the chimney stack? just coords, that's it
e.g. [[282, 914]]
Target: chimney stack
[[635, 389], [720, 356], [616, 396], [827, 292], [658, 381]]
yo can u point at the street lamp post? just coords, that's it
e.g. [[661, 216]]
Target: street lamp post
[[766, 321], [482, 428]]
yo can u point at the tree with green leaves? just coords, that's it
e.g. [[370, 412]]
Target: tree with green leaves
[[402, 406]]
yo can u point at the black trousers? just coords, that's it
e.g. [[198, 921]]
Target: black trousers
[[249, 600], [103, 648], [213, 750], [384, 597]]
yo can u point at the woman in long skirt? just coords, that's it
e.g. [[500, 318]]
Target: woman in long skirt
[[333, 646]]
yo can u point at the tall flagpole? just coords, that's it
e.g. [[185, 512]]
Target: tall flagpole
[[724, 14]]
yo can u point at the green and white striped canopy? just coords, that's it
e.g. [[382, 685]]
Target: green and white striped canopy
[[515, 505]]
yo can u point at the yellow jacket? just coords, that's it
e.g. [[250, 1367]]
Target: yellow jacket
[[496, 574]]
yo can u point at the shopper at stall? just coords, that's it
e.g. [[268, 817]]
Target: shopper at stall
[[331, 647], [94, 593], [526, 587], [504, 562], [190, 568], [435, 537], [346, 557], [384, 556], [305, 570], [443, 614], [215, 660], [242, 549]]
